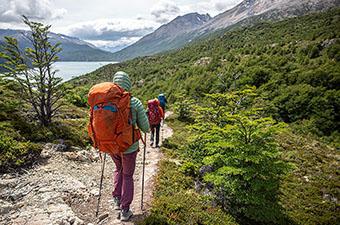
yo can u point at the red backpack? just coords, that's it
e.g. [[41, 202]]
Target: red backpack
[[110, 127], [155, 112]]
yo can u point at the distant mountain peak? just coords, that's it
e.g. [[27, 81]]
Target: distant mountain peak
[[193, 17], [189, 27], [182, 24], [159, 39], [273, 9]]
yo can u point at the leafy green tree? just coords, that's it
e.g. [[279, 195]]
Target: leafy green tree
[[237, 142], [33, 71]]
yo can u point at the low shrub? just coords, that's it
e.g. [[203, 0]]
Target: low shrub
[[15, 154]]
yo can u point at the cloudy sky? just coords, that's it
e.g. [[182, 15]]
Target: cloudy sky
[[108, 24]]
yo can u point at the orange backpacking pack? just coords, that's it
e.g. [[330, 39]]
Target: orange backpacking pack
[[110, 127]]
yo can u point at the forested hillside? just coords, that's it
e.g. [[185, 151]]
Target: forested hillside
[[294, 64]]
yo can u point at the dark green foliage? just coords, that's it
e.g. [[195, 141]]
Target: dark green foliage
[[175, 201], [19, 129], [78, 96], [333, 52], [15, 154], [184, 108], [189, 168], [238, 143], [15, 150], [309, 195], [8, 100]]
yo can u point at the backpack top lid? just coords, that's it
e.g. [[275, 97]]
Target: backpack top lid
[[104, 92], [153, 103]]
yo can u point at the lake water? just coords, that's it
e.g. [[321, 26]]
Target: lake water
[[68, 70]]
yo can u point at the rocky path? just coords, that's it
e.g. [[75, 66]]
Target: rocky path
[[63, 188]]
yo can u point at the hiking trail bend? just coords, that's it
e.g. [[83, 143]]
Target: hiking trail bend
[[63, 189]]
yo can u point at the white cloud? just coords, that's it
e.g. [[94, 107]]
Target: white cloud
[[164, 11], [121, 41], [11, 10], [115, 34], [213, 7], [111, 29], [111, 34], [114, 46]]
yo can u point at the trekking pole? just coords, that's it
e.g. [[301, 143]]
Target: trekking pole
[[101, 185], [141, 203], [162, 131]]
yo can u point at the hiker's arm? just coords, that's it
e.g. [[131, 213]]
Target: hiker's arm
[[142, 119]]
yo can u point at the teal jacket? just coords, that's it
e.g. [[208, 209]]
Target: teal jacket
[[139, 117]]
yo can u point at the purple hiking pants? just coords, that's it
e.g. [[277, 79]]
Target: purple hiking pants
[[123, 178]]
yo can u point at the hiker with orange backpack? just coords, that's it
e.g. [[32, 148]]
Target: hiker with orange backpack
[[155, 116], [115, 124]]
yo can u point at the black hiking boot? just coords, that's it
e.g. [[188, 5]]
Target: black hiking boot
[[125, 214]]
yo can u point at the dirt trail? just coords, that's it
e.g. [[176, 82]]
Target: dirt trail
[[63, 189]]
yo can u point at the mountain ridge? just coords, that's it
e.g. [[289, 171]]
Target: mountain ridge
[[165, 37], [249, 8], [74, 49], [244, 11]]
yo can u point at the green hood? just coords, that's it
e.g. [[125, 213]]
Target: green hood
[[122, 79]]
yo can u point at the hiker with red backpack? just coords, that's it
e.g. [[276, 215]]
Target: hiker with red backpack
[[155, 116], [115, 124]]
